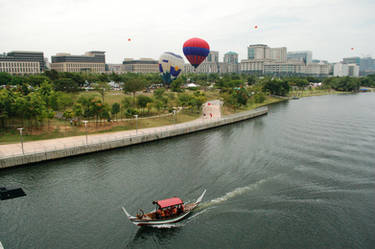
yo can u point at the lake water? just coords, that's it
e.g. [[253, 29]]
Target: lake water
[[302, 176]]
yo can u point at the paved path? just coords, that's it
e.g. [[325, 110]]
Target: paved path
[[8, 150]]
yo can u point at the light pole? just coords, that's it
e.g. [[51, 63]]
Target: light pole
[[20, 129], [85, 122], [136, 124], [175, 116]]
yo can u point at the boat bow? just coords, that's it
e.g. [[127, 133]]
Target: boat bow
[[200, 197], [127, 214]]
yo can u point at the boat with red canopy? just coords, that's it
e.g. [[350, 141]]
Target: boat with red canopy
[[167, 211]]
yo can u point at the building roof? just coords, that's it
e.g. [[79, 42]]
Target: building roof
[[231, 52], [169, 202]]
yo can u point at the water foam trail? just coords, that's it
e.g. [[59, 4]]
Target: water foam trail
[[235, 192], [168, 225]]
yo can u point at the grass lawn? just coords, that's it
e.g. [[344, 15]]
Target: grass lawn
[[312, 92]]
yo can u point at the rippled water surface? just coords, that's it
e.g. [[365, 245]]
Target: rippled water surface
[[301, 177]]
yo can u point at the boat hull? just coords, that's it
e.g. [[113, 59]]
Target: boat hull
[[150, 219]]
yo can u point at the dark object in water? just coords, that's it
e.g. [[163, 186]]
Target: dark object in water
[[6, 194]]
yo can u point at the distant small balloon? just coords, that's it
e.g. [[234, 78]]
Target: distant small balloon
[[352, 48]]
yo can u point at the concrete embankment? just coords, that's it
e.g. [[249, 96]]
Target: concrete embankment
[[11, 154]]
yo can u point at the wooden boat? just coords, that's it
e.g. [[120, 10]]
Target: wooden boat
[[167, 211]]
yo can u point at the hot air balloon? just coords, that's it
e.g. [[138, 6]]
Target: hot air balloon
[[256, 26], [129, 39], [196, 50], [170, 66]]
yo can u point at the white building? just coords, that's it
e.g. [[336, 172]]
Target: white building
[[284, 68], [278, 54], [304, 56], [353, 70], [253, 66], [340, 69]]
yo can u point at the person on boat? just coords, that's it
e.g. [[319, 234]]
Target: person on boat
[[158, 214], [174, 210]]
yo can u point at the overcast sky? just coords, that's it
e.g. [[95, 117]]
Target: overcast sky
[[329, 28]]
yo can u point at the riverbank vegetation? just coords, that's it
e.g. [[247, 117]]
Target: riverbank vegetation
[[54, 104]]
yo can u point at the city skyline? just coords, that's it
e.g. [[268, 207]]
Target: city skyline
[[329, 30]]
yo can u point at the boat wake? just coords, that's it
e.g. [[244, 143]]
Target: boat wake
[[166, 226], [234, 193]]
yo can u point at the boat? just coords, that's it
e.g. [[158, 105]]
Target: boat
[[167, 211]]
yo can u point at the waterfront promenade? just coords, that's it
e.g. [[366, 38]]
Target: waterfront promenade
[[37, 151]]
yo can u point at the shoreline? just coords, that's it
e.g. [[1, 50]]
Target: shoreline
[[37, 151]]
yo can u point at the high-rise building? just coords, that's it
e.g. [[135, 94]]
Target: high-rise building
[[92, 61], [278, 54], [352, 60], [22, 62], [213, 57], [231, 57], [340, 69], [209, 65], [367, 65], [258, 52], [353, 70], [304, 56]]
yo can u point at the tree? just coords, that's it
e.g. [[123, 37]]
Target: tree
[[158, 93], [133, 85], [101, 87], [115, 109], [251, 79], [66, 85], [176, 84], [143, 100], [37, 80], [77, 111], [63, 101], [6, 100], [5, 78], [183, 99], [276, 86]]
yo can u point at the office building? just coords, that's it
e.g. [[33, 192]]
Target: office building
[[143, 65], [252, 66], [22, 62], [352, 60], [278, 54], [231, 58], [212, 57], [115, 68], [92, 61], [353, 70], [258, 52], [209, 65], [340, 69], [367, 65], [284, 68], [304, 56]]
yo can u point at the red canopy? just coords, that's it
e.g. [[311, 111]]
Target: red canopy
[[169, 202]]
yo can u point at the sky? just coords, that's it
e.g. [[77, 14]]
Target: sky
[[328, 28]]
